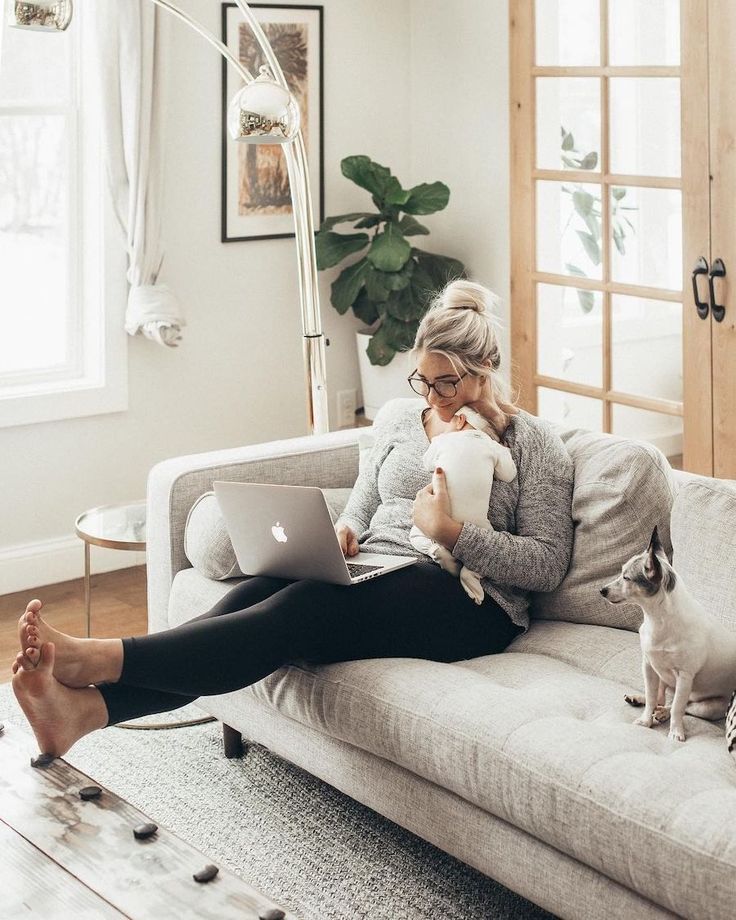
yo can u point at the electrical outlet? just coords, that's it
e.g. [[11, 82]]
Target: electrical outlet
[[346, 408]]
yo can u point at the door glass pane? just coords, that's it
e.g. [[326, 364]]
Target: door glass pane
[[647, 347], [644, 32], [569, 334], [33, 242], [47, 81], [568, 123], [646, 243], [567, 33], [570, 410], [664, 431], [645, 126], [569, 228]]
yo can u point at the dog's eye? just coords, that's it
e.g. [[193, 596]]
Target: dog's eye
[[626, 578]]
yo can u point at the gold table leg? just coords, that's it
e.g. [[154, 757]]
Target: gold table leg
[[86, 584]]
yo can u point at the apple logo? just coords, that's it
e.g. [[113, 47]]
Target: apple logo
[[278, 533]]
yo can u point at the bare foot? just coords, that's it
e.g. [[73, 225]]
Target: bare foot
[[58, 715], [72, 665]]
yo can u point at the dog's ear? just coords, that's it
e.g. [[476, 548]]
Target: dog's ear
[[655, 545], [652, 565]]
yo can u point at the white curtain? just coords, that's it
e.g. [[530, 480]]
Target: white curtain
[[128, 41]]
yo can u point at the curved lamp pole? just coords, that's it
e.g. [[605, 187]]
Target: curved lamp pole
[[262, 112]]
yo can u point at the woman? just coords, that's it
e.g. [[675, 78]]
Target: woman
[[69, 686]]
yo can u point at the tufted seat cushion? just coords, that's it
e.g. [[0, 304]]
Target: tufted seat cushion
[[541, 736]]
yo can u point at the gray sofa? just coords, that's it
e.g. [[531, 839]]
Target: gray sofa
[[525, 765]]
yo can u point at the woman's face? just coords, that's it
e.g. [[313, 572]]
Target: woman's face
[[432, 368]]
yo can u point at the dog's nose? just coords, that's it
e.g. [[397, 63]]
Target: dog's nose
[[604, 592]]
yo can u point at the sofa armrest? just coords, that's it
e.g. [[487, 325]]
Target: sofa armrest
[[326, 461]]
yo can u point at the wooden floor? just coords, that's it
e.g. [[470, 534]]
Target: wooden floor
[[118, 609]]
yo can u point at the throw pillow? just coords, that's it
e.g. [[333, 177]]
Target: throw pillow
[[622, 489], [207, 543], [704, 544]]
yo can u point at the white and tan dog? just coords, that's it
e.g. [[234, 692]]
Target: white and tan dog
[[469, 458], [684, 649]]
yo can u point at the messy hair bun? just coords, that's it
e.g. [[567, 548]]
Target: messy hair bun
[[459, 325]]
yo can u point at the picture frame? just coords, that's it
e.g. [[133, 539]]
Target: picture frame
[[255, 200]]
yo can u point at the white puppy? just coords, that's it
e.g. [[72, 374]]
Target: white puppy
[[469, 458], [683, 647]]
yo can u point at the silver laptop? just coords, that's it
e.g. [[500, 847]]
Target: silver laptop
[[287, 532]]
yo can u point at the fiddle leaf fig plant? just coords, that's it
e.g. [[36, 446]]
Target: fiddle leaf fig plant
[[390, 287]]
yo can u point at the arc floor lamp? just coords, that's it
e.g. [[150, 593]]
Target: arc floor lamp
[[264, 111]]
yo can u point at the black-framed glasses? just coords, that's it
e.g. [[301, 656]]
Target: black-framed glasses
[[445, 389]]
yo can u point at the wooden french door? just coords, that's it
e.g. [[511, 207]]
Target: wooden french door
[[622, 147]]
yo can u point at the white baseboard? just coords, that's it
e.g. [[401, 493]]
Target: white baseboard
[[48, 562]]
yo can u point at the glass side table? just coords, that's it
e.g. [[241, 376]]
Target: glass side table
[[120, 526]]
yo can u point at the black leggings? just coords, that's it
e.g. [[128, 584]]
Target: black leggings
[[265, 623]]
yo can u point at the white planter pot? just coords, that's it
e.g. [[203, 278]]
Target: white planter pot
[[381, 383]]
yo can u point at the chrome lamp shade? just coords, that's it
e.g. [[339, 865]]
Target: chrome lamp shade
[[41, 15], [262, 112]]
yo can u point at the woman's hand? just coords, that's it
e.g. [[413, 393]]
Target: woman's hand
[[348, 540], [431, 512]]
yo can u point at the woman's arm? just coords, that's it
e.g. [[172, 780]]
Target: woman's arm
[[538, 556]]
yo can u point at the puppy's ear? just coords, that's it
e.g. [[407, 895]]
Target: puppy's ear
[[655, 545], [652, 565]]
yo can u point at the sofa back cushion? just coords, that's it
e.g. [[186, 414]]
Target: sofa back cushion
[[704, 544], [622, 489]]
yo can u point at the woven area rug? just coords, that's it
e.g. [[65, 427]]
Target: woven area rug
[[298, 840]]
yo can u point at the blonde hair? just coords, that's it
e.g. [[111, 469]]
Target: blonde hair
[[459, 325]]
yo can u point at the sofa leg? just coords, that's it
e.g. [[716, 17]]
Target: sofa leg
[[233, 741]]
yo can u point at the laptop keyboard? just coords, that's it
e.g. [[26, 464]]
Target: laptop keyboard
[[356, 569]]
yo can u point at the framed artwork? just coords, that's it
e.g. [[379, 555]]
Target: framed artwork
[[256, 202]]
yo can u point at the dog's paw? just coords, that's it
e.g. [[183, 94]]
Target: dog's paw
[[634, 700], [646, 721], [661, 714], [472, 585], [676, 734]]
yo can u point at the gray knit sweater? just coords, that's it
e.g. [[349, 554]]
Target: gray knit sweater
[[530, 546]]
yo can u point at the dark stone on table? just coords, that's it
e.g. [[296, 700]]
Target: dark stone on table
[[144, 830], [204, 875], [90, 792], [273, 913], [43, 760]]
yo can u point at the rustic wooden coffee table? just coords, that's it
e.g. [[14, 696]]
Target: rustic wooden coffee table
[[65, 857]]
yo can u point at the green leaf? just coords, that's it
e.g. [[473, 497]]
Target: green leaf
[[365, 173], [427, 198], [370, 220], [347, 285], [574, 270], [389, 250], [592, 223], [568, 142], [618, 193], [587, 300], [330, 222], [589, 161], [618, 238], [397, 334], [375, 287], [583, 201], [364, 308], [441, 269], [332, 247], [395, 194], [573, 164], [379, 350], [590, 244], [410, 226]]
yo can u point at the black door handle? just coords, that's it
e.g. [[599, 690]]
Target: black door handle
[[717, 271], [701, 268]]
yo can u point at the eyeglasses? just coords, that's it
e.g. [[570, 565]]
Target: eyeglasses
[[445, 389]]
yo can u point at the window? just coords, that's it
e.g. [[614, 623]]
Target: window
[[62, 289]]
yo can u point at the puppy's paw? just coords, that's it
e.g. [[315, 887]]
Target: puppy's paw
[[634, 700], [646, 721], [677, 733], [661, 714], [472, 585]]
